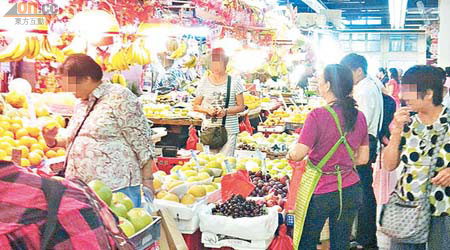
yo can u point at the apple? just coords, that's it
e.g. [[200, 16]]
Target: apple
[[140, 218], [123, 199], [126, 226]]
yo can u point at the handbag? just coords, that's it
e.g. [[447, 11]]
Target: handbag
[[409, 221], [216, 137]]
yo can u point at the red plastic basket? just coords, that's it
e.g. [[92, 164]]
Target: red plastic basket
[[167, 163]]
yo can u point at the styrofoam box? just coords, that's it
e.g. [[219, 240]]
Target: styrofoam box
[[217, 241], [188, 226], [274, 129], [180, 211]]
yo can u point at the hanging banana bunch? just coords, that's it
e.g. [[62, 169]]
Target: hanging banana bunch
[[180, 51], [119, 79], [16, 51]]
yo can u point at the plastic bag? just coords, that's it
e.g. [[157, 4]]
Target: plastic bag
[[299, 169], [192, 141], [248, 126], [282, 241], [236, 183]]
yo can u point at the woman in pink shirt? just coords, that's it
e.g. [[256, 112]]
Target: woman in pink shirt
[[336, 195], [392, 86]]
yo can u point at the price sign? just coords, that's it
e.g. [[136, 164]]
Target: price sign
[[16, 156], [227, 166], [206, 149]]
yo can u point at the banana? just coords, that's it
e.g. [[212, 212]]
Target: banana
[[31, 47], [191, 62], [180, 51], [10, 51], [37, 46], [20, 52]]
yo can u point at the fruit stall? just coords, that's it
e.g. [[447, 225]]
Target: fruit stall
[[137, 44]]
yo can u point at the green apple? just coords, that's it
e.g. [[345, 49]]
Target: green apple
[[119, 209], [103, 191], [123, 199], [126, 226], [140, 218]]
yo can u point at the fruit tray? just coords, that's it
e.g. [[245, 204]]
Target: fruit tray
[[148, 235]]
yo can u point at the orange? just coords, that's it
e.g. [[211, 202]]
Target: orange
[[25, 162], [44, 145], [27, 141], [5, 125], [35, 158], [1, 131], [2, 154], [15, 127], [8, 134], [7, 139], [60, 152], [33, 131], [61, 121], [36, 146], [50, 125], [50, 154], [17, 120], [21, 133], [6, 147], [40, 152], [25, 151], [41, 111]]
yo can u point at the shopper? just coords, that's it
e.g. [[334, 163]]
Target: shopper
[[210, 100], [393, 85], [382, 76], [28, 204], [413, 141], [108, 137], [368, 95], [446, 100], [337, 193]]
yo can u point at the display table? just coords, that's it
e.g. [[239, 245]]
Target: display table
[[176, 122]]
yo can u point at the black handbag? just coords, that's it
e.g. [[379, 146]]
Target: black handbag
[[216, 137]]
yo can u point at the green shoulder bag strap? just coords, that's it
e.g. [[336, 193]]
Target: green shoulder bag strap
[[311, 177]]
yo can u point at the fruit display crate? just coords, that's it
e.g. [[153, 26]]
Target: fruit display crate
[[216, 241], [148, 235]]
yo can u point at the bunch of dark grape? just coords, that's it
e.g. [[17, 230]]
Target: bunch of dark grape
[[265, 184], [238, 207]]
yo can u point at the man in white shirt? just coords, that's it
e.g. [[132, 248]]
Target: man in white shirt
[[367, 93]]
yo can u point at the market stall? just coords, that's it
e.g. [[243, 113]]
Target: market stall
[[158, 50]]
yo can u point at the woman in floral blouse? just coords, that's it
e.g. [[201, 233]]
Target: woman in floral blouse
[[412, 143], [108, 137]]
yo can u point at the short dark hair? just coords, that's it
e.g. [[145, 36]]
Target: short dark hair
[[355, 61], [382, 70], [81, 66], [425, 77]]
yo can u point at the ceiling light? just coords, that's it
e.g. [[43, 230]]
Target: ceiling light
[[397, 13]]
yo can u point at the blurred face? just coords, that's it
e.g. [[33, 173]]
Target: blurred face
[[81, 90], [324, 86], [410, 95], [218, 64]]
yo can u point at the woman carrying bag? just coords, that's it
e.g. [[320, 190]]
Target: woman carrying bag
[[417, 213], [335, 139], [220, 98]]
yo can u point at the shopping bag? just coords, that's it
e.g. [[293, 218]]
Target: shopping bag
[[297, 173], [236, 183], [191, 143], [282, 241]]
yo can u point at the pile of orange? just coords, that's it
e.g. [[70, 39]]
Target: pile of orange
[[28, 139]]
